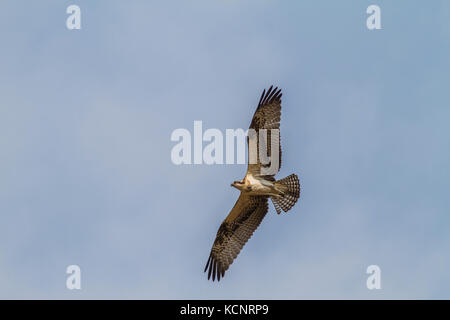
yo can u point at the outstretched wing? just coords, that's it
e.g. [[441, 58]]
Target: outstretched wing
[[267, 116], [234, 232]]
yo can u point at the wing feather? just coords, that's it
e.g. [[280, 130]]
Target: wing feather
[[234, 232], [267, 116]]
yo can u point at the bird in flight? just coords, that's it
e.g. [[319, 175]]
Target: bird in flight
[[256, 188]]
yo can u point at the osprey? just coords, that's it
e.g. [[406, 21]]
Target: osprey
[[256, 188]]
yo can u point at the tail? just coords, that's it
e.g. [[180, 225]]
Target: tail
[[289, 188]]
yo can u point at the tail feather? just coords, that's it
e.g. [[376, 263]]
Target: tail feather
[[290, 194]]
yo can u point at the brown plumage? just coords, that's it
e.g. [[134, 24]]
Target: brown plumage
[[267, 116], [234, 232], [252, 204]]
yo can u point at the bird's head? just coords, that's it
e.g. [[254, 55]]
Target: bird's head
[[238, 184]]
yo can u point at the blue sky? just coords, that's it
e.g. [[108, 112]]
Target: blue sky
[[85, 123]]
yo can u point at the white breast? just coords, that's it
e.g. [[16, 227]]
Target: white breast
[[258, 185], [251, 180]]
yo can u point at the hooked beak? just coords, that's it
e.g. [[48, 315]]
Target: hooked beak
[[235, 184]]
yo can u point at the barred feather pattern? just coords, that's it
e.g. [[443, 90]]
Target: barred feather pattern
[[288, 200], [233, 234], [267, 116]]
